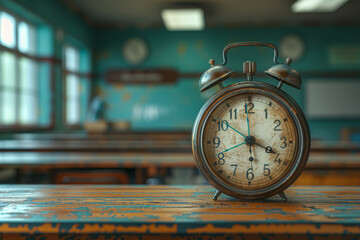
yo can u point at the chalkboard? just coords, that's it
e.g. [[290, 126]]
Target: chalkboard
[[333, 99]]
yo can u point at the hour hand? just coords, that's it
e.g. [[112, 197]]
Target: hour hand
[[268, 149]]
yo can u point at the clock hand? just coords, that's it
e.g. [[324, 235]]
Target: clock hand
[[268, 149], [233, 128], [231, 148], [247, 118], [251, 159]]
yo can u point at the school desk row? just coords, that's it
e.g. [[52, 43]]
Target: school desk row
[[321, 169]]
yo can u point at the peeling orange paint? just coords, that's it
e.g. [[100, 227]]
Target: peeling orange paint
[[278, 228], [175, 210]]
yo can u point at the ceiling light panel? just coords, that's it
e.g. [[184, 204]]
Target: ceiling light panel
[[317, 5], [183, 19]]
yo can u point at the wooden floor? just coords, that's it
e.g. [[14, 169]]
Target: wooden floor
[[177, 212]]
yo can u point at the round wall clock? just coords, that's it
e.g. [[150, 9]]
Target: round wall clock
[[135, 51], [250, 139], [292, 46]]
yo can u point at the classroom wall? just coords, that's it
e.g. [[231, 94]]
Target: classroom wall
[[175, 106]]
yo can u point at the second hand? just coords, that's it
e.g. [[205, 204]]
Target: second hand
[[251, 159]]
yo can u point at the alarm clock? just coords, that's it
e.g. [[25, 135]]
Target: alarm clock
[[251, 139]]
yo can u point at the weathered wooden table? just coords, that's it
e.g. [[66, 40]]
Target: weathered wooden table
[[181, 212]]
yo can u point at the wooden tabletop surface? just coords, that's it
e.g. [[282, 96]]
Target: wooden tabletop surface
[[46, 209]]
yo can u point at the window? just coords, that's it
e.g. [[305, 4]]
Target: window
[[19, 96], [76, 84]]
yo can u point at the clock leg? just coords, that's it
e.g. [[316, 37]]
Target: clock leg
[[283, 197], [216, 195]]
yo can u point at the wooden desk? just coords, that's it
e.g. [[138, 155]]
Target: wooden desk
[[144, 160], [179, 212], [111, 135], [137, 144], [95, 146], [145, 165], [335, 147], [321, 169], [48, 160]]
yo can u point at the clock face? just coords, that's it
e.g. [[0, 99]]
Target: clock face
[[250, 141], [135, 51], [292, 46]]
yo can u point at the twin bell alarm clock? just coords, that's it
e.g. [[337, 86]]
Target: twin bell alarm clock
[[251, 139]]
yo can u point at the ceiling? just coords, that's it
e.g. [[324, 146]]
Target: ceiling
[[146, 13]]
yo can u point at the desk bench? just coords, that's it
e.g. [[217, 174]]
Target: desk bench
[[177, 212]]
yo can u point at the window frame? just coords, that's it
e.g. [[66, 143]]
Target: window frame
[[17, 126]]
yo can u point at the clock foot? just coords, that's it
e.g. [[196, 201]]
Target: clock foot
[[283, 197], [216, 195]]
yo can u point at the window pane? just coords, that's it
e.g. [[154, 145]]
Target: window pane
[[23, 40], [71, 59], [72, 99], [28, 73], [72, 111], [26, 39], [8, 67], [7, 30], [28, 108], [72, 85], [8, 103]]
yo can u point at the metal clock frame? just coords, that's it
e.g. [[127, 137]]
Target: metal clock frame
[[301, 152]]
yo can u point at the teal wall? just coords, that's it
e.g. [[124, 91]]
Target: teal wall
[[174, 106]]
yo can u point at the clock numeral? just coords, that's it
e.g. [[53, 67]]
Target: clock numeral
[[266, 113], [216, 141], [231, 113], [235, 166], [251, 107], [221, 160], [250, 174], [266, 170], [277, 159], [224, 125], [284, 145], [277, 127]]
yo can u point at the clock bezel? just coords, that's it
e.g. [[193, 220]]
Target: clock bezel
[[302, 130]]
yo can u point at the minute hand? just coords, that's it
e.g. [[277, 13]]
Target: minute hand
[[233, 128]]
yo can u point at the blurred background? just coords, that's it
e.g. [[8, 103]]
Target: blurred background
[[107, 91]]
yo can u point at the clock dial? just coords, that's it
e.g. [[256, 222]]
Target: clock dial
[[249, 141], [292, 46], [135, 51]]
